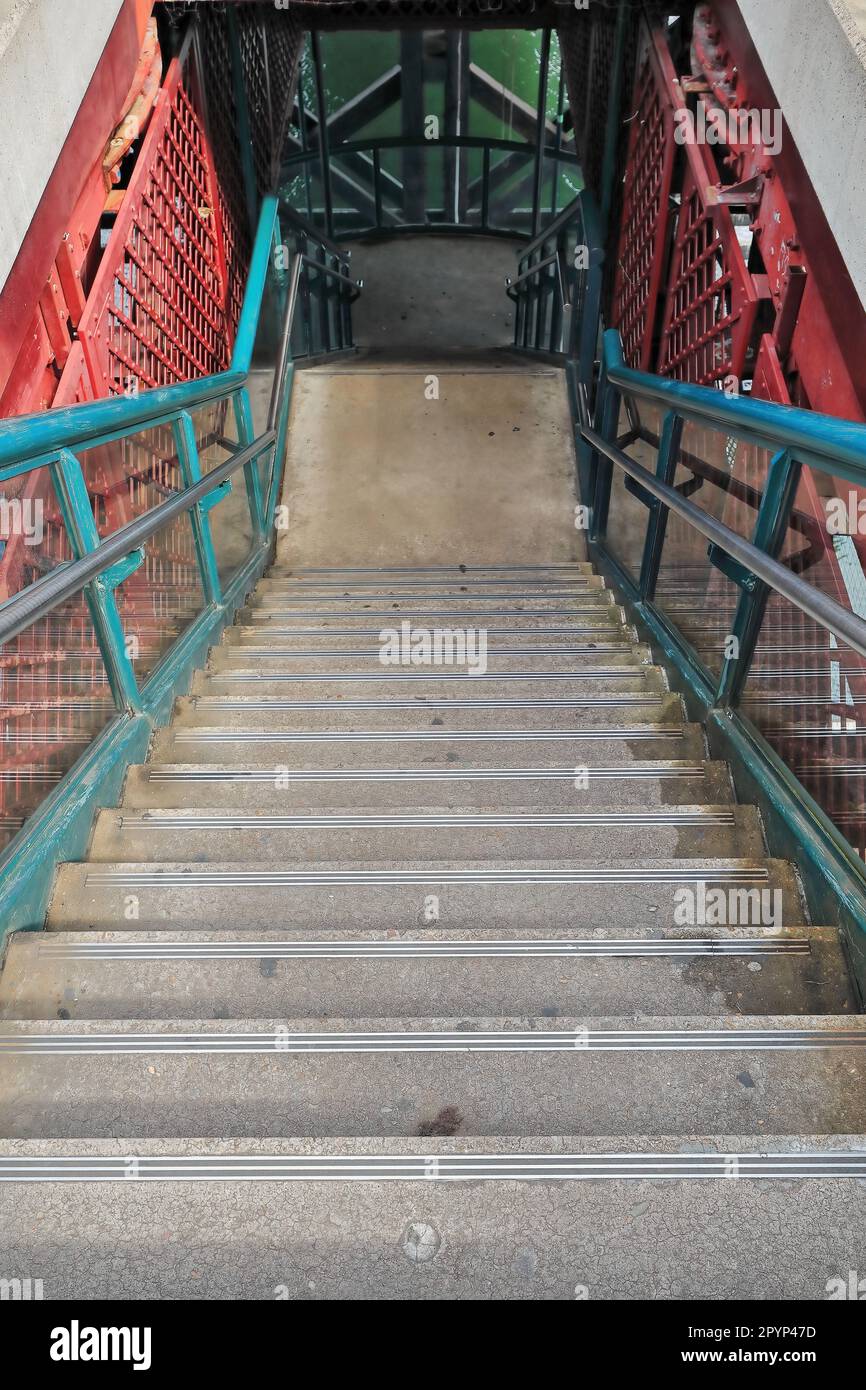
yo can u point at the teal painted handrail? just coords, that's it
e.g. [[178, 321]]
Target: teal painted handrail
[[58, 830], [550, 278], [834, 446], [798, 827], [27, 440]]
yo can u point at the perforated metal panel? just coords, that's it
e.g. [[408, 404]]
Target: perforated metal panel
[[711, 301], [222, 121], [283, 40], [157, 311], [645, 216], [575, 45], [254, 60]]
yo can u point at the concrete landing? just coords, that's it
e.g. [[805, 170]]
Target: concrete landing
[[380, 470], [456, 302]]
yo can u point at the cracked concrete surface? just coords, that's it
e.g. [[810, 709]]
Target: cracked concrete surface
[[733, 1239]]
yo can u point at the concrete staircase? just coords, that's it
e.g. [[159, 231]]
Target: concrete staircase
[[378, 983]]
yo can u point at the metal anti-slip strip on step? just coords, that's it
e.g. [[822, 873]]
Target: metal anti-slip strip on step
[[516, 632], [421, 735], [435, 1167], [243, 652], [200, 820], [471, 615], [217, 702], [567, 567], [216, 877], [572, 590], [422, 950], [626, 773], [278, 584], [564, 1040], [396, 673]]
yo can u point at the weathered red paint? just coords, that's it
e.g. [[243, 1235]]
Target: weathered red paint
[[81, 154]]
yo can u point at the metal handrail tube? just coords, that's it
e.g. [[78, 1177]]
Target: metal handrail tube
[[285, 340], [583, 205], [45, 433], [292, 215], [355, 285], [555, 225], [527, 274], [848, 627], [39, 598], [401, 142], [563, 286], [52, 432], [835, 446]]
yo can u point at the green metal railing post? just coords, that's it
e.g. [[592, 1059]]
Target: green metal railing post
[[771, 527], [74, 502], [190, 470], [666, 468]]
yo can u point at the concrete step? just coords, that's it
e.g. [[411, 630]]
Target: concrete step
[[708, 1217], [281, 570], [434, 591], [258, 786], [291, 677], [575, 627], [434, 748], [379, 1077], [364, 689], [590, 605], [309, 709], [422, 574], [320, 647], [565, 624], [608, 734], [256, 664], [433, 832], [366, 974], [467, 897], [432, 588], [534, 633], [546, 674]]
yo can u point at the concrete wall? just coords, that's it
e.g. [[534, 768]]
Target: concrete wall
[[48, 52], [814, 53]]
